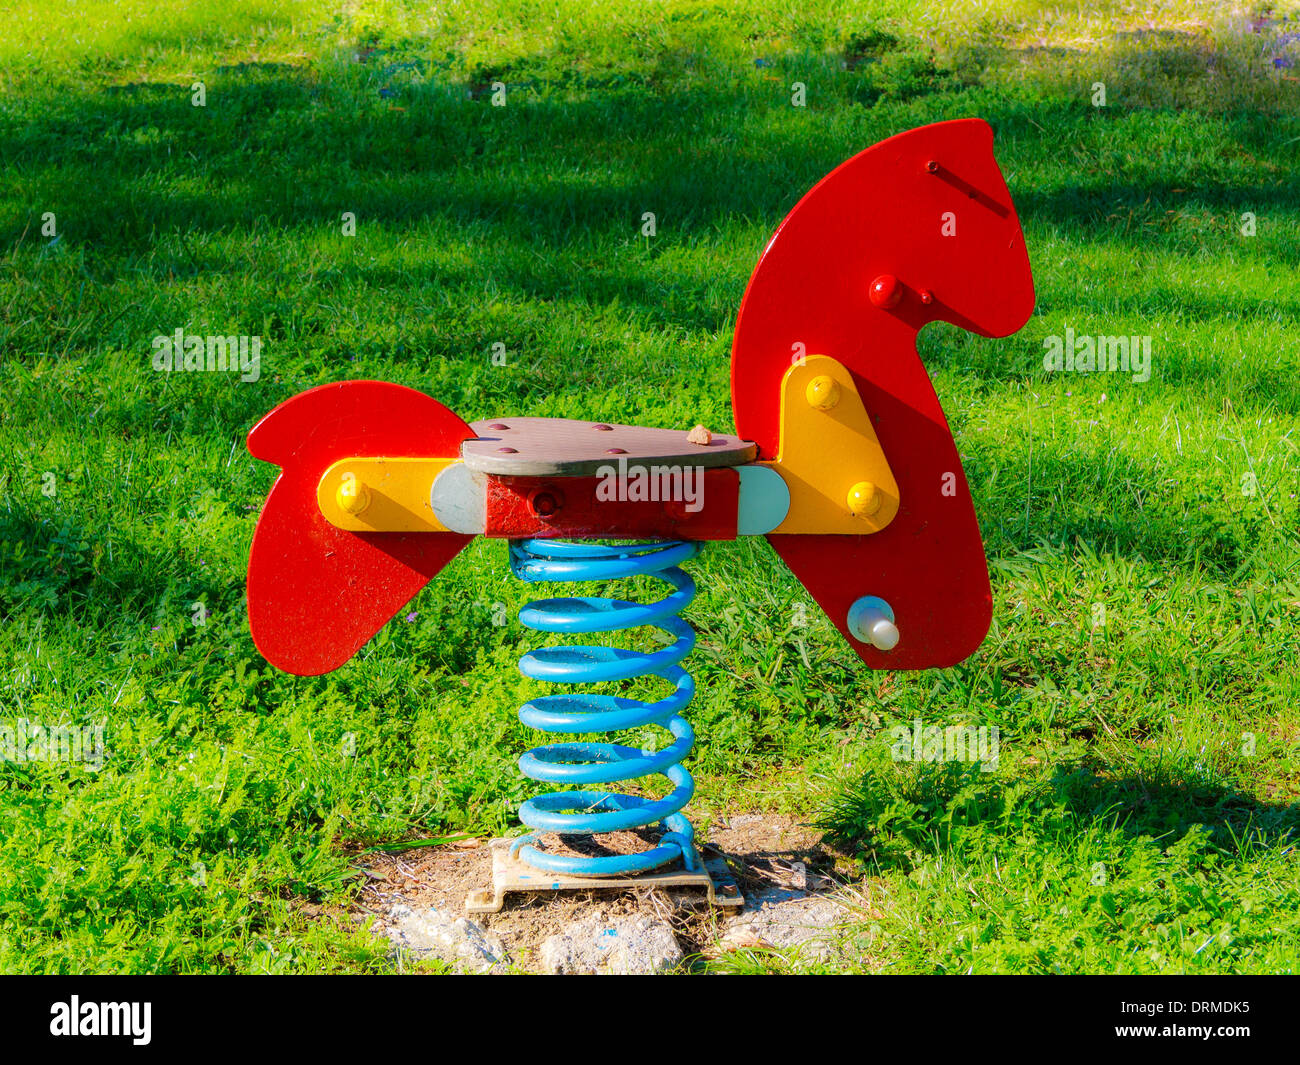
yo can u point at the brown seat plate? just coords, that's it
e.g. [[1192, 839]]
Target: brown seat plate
[[561, 447]]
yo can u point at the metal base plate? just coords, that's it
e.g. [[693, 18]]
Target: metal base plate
[[509, 874]]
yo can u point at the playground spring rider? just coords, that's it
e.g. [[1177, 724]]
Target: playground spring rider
[[842, 457]]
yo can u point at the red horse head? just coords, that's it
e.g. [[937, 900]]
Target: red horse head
[[925, 220]]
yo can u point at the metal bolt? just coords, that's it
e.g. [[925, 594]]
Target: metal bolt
[[352, 496], [544, 502]]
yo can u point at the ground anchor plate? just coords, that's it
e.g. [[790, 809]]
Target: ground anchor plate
[[509, 874]]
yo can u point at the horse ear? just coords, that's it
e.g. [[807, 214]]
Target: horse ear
[[863, 261], [317, 593]]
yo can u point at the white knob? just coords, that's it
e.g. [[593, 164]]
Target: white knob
[[871, 620]]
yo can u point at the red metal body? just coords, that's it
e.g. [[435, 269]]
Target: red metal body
[[560, 507], [856, 269]]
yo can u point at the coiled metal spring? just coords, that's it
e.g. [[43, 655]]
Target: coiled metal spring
[[582, 811]]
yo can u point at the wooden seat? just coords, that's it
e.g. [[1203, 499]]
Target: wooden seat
[[562, 447]]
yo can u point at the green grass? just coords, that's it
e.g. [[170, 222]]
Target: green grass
[[1143, 815]]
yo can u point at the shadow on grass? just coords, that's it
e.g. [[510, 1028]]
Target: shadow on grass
[[59, 565], [556, 174], [903, 814], [139, 178], [295, 146]]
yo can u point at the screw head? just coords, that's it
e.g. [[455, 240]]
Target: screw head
[[352, 496], [823, 392], [498, 426], [864, 500], [932, 167], [602, 428], [544, 502]]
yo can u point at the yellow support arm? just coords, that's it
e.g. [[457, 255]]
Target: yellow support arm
[[829, 457], [381, 494]]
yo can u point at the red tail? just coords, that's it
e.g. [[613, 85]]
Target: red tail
[[317, 593]]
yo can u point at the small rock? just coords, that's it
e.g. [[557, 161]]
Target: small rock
[[456, 940], [634, 946], [699, 435], [740, 938], [782, 919]]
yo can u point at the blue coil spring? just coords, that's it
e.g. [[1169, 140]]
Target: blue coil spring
[[588, 812]]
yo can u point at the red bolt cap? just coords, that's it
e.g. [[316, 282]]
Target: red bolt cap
[[885, 291]]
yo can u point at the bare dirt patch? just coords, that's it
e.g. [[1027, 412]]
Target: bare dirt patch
[[771, 857]]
